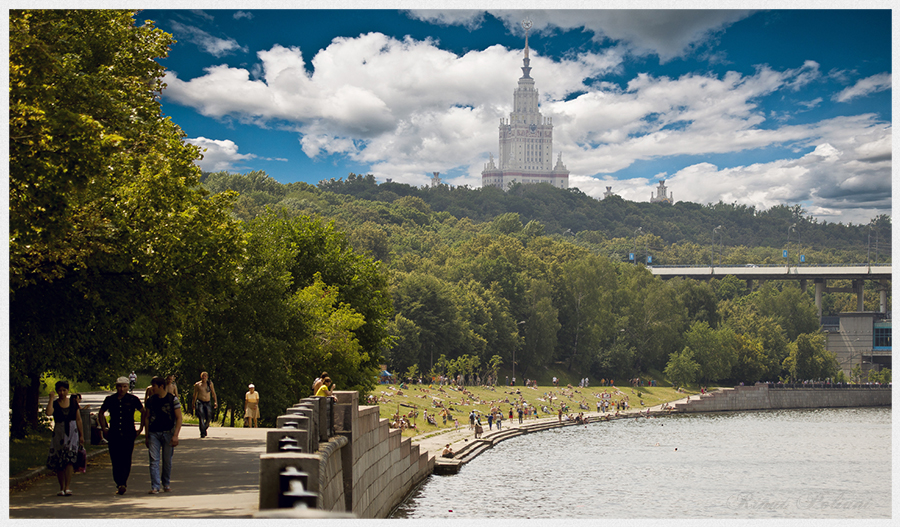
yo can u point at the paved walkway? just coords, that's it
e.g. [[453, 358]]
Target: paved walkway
[[215, 477]]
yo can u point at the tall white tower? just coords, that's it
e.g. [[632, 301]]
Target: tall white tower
[[526, 140]]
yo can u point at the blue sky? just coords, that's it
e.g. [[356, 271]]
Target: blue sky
[[756, 107]]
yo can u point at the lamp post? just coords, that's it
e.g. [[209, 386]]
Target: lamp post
[[519, 323], [869, 244], [634, 250], [793, 227], [719, 230]]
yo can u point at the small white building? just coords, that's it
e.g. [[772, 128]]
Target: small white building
[[661, 194]]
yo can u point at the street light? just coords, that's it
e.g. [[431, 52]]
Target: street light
[[519, 323], [718, 229], [793, 227], [636, 231]]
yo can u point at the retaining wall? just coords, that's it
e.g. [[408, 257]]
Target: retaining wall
[[765, 397], [364, 468]]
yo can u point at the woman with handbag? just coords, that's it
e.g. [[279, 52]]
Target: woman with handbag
[[68, 436]]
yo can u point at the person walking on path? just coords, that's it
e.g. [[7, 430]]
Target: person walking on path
[[120, 433], [171, 387], [204, 401], [68, 436], [251, 411], [132, 380], [163, 423]]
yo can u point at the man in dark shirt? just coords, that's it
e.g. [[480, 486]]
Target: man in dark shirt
[[120, 433], [163, 423]]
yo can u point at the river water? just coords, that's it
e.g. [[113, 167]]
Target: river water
[[825, 463]]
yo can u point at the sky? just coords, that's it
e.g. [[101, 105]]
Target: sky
[[755, 107]]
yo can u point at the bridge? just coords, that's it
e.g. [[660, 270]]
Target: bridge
[[819, 274]]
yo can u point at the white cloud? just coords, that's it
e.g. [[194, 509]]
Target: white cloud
[[469, 18], [218, 154], [406, 108], [217, 47], [667, 33], [243, 14], [863, 87], [845, 178]]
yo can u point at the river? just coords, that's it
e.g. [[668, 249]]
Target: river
[[825, 463]]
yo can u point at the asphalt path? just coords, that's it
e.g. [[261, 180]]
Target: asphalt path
[[215, 477]]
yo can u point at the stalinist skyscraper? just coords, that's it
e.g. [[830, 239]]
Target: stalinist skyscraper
[[526, 140]]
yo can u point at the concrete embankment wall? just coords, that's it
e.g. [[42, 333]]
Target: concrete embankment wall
[[357, 465], [384, 466], [764, 397]]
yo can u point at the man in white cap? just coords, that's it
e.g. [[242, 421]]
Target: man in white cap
[[120, 433]]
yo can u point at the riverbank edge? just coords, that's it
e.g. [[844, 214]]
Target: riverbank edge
[[472, 447]]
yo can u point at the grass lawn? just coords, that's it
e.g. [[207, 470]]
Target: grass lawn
[[31, 452], [480, 398]]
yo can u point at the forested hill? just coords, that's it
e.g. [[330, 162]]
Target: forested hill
[[573, 212]]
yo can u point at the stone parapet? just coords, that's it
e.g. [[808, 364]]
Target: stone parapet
[[365, 468], [764, 397]]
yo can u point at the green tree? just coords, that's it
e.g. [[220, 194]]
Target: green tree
[[539, 327], [113, 245], [682, 369], [714, 350], [412, 373], [883, 376], [494, 366], [650, 317], [793, 310], [406, 348], [587, 287], [752, 362], [809, 360]]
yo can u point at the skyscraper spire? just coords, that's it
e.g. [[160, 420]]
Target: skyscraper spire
[[526, 69]]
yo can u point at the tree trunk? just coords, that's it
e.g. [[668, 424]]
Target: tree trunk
[[24, 407], [17, 418], [32, 403], [232, 418]]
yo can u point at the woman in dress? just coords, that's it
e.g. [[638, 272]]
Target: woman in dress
[[68, 436], [251, 410]]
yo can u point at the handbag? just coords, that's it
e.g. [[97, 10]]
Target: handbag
[[81, 462]]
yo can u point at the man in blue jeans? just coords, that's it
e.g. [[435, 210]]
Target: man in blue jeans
[[162, 420], [203, 401]]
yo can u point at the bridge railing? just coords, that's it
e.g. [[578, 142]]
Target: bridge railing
[[772, 266]]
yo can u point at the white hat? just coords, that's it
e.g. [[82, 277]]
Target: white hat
[[122, 380], [251, 386]]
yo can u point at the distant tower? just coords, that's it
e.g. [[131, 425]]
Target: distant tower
[[661, 194], [526, 140], [608, 193], [436, 179]]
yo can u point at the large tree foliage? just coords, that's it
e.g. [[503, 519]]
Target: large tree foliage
[[480, 272], [113, 245]]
